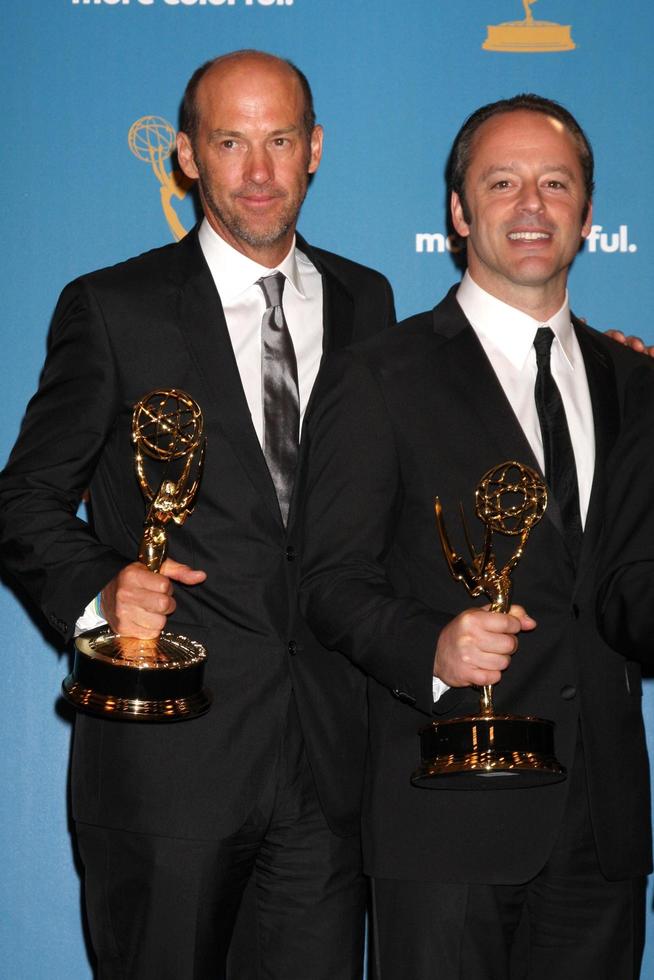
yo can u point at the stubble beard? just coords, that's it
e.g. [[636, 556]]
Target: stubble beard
[[241, 230]]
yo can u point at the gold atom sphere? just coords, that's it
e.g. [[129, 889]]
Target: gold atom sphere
[[167, 424], [510, 498]]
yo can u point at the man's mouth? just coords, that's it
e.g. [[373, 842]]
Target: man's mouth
[[528, 236], [260, 197]]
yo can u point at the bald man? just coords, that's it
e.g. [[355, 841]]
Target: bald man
[[172, 820]]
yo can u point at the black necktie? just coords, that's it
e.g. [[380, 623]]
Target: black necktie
[[560, 468], [279, 386]]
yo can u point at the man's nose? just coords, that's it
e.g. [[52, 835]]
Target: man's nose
[[259, 165], [530, 198]]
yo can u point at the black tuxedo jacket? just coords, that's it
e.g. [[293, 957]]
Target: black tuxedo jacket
[[626, 566], [156, 321], [419, 412]]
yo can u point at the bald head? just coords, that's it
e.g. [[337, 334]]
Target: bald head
[[248, 142], [238, 64]]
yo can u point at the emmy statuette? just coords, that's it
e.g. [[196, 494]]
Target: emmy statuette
[[124, 677], [485, 750], [529, 35]]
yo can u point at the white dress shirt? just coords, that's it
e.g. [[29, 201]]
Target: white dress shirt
[[235, 276], [507, 336]]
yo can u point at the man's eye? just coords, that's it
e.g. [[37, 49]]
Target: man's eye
[[556, 184], [228, 144], [280, 141], [501, 185]]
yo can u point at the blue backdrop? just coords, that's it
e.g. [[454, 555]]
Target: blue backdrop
[[393, 80]]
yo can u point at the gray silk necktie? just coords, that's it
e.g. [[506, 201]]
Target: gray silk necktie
[[279, 386]]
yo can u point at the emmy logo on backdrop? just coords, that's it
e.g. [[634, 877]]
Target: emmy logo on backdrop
[[152, 139], [510, 500], [529, 35], [125, 677]]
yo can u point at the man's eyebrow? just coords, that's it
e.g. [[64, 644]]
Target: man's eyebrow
[[237, 134], [513, 168]]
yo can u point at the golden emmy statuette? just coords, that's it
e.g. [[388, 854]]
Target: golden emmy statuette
[[124, 677], [529, 35], [464, 752]]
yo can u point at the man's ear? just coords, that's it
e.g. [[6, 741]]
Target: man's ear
[[461, 226], [186, 157], [316, 149], [588, 223]]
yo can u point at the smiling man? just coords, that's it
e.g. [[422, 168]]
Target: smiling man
[[499, 370], [172, 820]]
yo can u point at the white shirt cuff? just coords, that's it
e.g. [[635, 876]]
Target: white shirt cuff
[[439, 688], [90, 618]]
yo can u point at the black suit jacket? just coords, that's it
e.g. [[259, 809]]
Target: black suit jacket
[[156, 321], [419, 412], [626, 565]]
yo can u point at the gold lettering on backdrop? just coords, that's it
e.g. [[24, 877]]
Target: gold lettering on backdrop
[[152, 139], [529, 35]]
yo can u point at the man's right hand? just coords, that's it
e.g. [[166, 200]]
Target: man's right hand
[[137, 602], [477, 645]]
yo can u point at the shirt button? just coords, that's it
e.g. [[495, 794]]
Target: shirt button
[[292, 648], [568, 692], [290, 553]]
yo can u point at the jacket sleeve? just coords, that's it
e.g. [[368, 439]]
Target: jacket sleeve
[[625, 602], [353, 493], [43, 543]]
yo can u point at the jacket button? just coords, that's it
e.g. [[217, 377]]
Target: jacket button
[[568, 692], [292, 648], [290, 553]]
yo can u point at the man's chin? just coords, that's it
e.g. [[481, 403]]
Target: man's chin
[[262, 237], [535, 270]]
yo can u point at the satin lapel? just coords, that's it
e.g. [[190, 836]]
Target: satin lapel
[[338, 326], [338, 314], [473, 382], [337, 323], [205, 330], [337, 304], [606, 422]]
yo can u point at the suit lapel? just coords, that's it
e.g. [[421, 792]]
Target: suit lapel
[[337, 304], [203, 323], [478, 387], [338, 329], [205, 330], [606, 421]]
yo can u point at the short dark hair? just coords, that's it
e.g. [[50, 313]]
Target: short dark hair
[[189, 113], [460, 156]]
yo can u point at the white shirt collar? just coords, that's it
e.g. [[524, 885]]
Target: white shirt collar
[[234, 272], [508, 330]]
